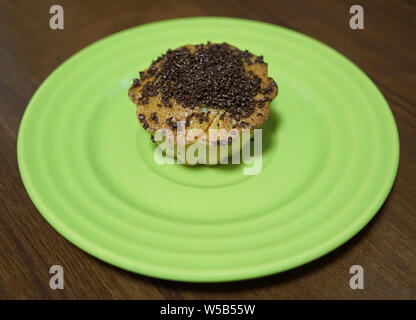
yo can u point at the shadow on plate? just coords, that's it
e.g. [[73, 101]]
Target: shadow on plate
[[269, 134]]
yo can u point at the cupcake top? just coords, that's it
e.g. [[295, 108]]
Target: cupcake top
[[205, 86]]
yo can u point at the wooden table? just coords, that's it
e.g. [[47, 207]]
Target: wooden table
[[30, 51]]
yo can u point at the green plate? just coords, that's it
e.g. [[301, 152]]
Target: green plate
[[330, 156]]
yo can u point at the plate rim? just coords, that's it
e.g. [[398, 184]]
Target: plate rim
[[256, 271]]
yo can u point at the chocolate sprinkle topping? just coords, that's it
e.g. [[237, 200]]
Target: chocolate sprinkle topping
[[212, 75]]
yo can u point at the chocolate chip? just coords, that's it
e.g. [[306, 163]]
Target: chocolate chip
[[259, 59], [136, 82], [171, 122], [154, 117]]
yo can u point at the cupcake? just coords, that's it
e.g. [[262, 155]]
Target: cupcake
[[204, 96]]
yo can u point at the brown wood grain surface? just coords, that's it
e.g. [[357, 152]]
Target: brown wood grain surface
[[30, 51]]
